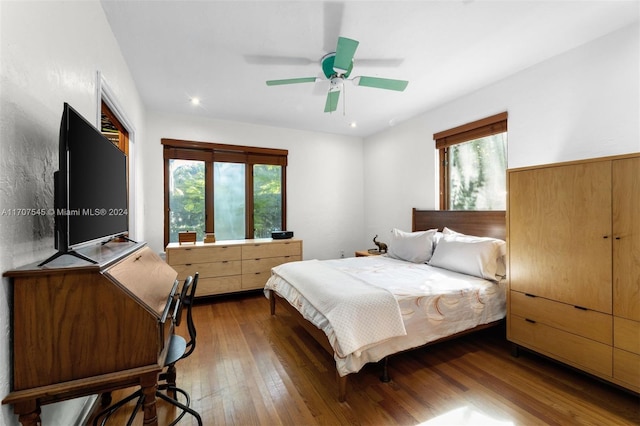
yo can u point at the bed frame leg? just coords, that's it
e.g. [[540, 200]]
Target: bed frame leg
[[272, 302], [385, 370], [342, 387]]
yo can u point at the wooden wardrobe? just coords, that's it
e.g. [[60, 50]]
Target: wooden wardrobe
[[574, 264]]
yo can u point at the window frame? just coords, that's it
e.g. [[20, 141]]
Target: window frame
[[464, 133], [209, 152]]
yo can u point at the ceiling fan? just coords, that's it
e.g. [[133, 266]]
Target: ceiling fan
[[336, 67]]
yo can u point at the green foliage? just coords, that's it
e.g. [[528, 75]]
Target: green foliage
[[186, 201], [477, 174], [267, 199]]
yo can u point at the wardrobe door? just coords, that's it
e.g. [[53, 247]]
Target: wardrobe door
[[626, 238], [560, 233]]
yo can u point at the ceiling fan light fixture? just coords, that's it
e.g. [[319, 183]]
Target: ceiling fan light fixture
[[336, 84]]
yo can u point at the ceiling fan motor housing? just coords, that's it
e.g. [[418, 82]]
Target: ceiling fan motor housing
[[327, 66]]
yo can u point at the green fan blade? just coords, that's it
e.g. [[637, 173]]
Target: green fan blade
[[291, 81], [332, 101], [344, 54], [382, 83]]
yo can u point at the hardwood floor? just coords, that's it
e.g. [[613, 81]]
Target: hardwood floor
[[253, 369]]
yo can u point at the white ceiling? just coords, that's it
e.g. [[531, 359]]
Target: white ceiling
[[223, 52]]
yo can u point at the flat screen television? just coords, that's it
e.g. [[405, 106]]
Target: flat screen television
[[90, 187]]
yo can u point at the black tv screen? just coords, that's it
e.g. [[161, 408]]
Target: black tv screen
[[95, 171]]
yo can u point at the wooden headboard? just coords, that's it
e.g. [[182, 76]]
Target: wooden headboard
[[485, 223]]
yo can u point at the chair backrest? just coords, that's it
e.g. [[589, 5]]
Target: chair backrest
[[188, 303], [180, 303]]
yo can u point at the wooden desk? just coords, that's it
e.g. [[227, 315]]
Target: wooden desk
[[83, 329]]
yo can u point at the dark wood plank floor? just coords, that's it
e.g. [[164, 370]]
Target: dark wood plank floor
[[253, 369]]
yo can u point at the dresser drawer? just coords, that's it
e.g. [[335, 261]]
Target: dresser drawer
[[626, 368], [219, 285], [626, 334], [205, 270], [566, 347], [250, 266], [256, 280], [587, 323], [260, 250], [185, 255]]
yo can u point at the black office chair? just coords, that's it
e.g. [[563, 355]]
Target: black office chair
[[178, 349]]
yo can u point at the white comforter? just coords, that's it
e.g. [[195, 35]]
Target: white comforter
[[347, 303], [433, 302]]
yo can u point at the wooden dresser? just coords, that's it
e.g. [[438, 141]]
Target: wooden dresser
[[81, 329], [574, 264], [231, 266]]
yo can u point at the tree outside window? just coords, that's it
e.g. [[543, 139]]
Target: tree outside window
[[473, 165], [236, 192]]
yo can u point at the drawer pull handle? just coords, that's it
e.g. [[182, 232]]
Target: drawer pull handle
[[617, 238], [530, 295], [530, 320], [187, 264], [582, 308], [257, 273], [605, 237]]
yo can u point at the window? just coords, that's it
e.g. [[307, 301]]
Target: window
[[473, 164], [186, 198], [237, 192]]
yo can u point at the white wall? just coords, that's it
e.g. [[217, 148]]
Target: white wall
[[51, 52], [324, 179], [581, 104]]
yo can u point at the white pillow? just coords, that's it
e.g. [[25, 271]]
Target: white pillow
[[501, 269], [472, 257], [465, 237], [415, 247]]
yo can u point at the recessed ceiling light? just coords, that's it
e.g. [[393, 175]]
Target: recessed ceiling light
[[195, 101], [353, 124]]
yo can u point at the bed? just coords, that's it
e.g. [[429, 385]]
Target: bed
[[442, 279]]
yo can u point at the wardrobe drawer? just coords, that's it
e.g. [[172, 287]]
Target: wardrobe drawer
[[260, 250], [202, 254], [626, 368], [583, 322], [566, 347], [626, 334]]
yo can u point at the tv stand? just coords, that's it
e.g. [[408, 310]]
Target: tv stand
[[71, 253], [117, 237]]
